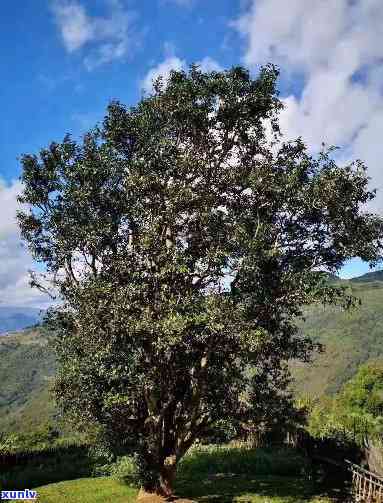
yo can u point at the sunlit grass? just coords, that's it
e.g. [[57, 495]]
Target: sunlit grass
[[89, 490]]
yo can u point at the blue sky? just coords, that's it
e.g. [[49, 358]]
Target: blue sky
[[47, 87], [64, 60]]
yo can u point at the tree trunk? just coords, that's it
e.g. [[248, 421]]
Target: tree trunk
[[167, 478], [163, 488]]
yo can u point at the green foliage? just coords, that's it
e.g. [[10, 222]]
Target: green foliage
[[355, 413], [51, 464], [221, 432], [363, 394], [140, 224], [349, 339], [9, 443], [124, 468], [328, 420], [44, 437]]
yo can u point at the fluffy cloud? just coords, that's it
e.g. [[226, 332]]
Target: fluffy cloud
[[335, 48], [164, 68], [75, 26], [108, 38], [15, 261]]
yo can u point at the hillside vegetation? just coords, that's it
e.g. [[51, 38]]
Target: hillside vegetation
[[27, 366], [350, 339]]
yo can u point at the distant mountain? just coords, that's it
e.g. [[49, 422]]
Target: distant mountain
[[368, 277], [350, 338], [27, 365], [18, 318]]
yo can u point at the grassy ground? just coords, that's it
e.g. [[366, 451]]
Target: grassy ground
[[201, 463], [207, 474], [100, 490], [212, 490]]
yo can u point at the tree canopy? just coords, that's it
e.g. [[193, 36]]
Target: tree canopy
[[183, 237], [363, 394]]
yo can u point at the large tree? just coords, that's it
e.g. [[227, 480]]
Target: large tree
[[184, 237]]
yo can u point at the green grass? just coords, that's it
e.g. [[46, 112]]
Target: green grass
[[101, 490], [202, 461], [252, 489], [208, 460], [212, 490], [207, 474]]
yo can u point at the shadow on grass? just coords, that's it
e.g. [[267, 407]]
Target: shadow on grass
[[210, 460], [274, 474], [242, 489]]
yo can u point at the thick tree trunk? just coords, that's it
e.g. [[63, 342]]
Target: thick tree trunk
[[166, 480], [163, 488]]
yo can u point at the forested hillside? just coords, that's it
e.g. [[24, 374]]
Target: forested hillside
[[350, 339], [26, 367]]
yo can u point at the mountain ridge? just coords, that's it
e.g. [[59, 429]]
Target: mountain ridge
[[13, 318], [368, 277]]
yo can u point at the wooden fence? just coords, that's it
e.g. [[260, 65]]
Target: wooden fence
[[366, 486]]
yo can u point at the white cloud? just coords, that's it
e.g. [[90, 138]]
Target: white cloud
[[15, 261], [336, 48], [108, 38], [170, 63], [75, 26], [162, 69], [208, 64]]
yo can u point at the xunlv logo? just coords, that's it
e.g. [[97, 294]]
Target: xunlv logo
[[26, 494]]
